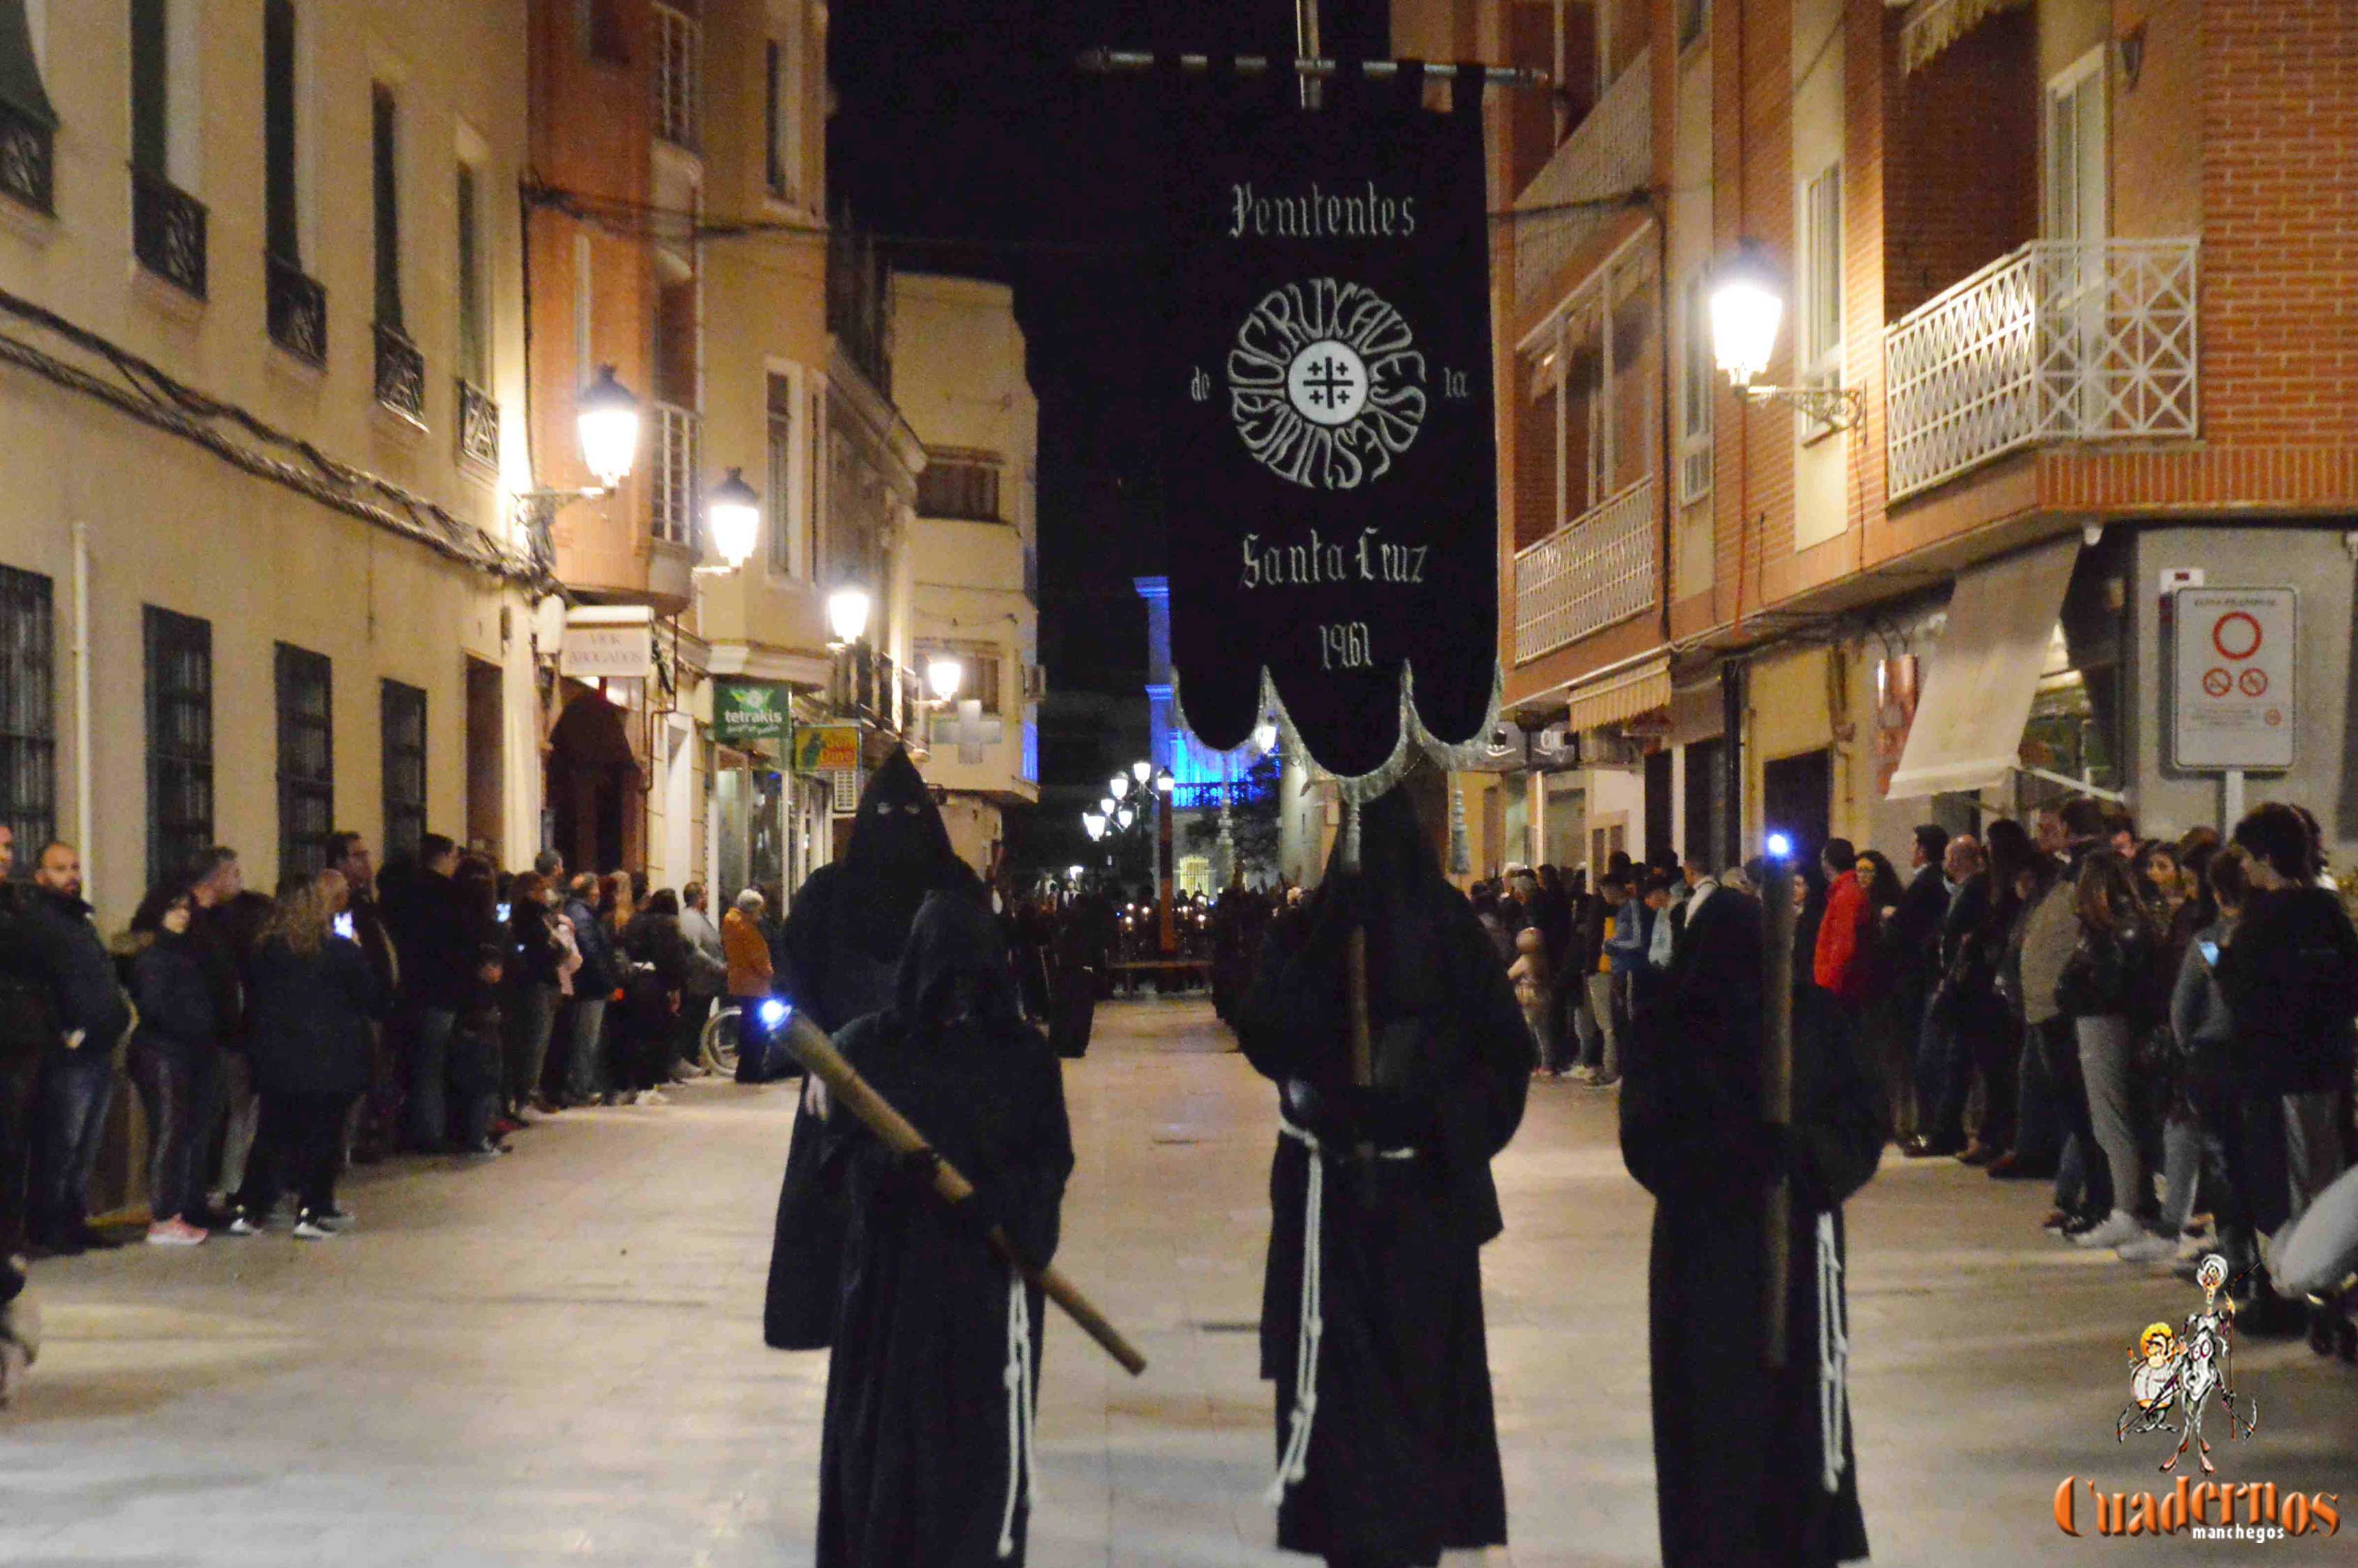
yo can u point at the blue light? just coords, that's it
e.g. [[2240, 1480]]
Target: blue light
[[1779, 846], [773, 1012]]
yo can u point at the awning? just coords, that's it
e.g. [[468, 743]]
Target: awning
[[1967, 733], [1623, 695], [1932, 26]]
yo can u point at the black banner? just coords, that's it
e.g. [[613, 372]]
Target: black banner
[[1330, 474]]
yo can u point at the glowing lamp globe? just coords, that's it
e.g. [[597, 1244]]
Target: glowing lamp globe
[[1164, 783], [1779, 846], [1748, 304], [847, 613], [1125, 817], [733, 513], [608, 418], [944, 676], [1095, 822], [1264, 735], [1142, 772], [1120, 785]]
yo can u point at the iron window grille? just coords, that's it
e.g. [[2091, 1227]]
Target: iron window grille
[[400, 374], [180, 741], [299, 312], [306, 760], [403, 712], [28, 740], [167, 232], [479, 425]]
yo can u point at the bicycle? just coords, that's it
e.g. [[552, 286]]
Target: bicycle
[[717, 1049]]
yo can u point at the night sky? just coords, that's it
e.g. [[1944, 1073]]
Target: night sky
[[967, 122]]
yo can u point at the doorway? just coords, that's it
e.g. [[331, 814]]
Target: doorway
[[487, 773], [595, 786], [1797, 799]]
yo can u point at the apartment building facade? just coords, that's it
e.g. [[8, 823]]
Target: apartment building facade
[[2064, 333], [958, 371], [262, 367]]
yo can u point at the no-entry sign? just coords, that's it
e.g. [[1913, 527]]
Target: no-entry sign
[[2236, 665]]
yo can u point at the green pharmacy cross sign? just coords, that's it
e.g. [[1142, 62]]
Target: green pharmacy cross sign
[[749, 711]]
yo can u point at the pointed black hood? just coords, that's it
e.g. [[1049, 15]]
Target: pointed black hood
[[955, 967], [900, 852]]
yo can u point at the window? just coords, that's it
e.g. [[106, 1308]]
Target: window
[[384, 152], [474, 326], [982, 668], [789, 517], [1821, 283], [307, 762], [150, 86], [599, 23], [27, 123], [1694, 20], [1696, 371], [678, 74], [281, 226], [180, 741], [960, 486], [403, 711], [786, 108], [28, 737]]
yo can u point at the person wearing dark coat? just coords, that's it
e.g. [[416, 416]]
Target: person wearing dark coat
[[77, 1075], [925, 1454], [1081, 949], [171, 1061], [663, 968], [314, 995], [1372, 1308], [1749, 1472], [844, 937]]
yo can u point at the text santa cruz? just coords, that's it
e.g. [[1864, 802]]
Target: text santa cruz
[[1367, 559]]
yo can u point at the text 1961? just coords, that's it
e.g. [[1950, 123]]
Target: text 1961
[[1345, 645]]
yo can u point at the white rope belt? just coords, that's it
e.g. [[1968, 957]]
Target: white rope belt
[[1834, 1354], [1295, 1463], [1023, 1415]]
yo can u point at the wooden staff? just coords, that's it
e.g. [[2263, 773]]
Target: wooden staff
[[817, 1052], [1354, 987], [1777, 1100]]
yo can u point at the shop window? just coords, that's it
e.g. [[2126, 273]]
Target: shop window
[[306, 760], [180, 741], [28, 738], [403, 714]]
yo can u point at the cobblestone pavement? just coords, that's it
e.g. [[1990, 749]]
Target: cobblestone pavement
[[556, 1358]]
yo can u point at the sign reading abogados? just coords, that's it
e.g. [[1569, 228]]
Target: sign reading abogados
[[749, 711]]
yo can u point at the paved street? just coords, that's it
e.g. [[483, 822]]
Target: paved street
[[557, 1359]]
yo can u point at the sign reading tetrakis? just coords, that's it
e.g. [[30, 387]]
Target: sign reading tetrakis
[[2235, 667], [1329, 459], [748, 711]]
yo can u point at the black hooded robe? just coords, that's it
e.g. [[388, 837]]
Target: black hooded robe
[[1739, 1452], [916, 1468], [843, 940], [1403, 1454]]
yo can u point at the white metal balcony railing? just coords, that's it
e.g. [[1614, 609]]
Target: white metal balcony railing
[[2059, 341], [1595, 571], [679, 441], [1612, 152], [679, 77]]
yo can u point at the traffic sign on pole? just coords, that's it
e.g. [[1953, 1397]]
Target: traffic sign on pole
[[2234, 703]]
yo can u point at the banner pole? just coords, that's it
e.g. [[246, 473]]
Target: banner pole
[[1112, 62]]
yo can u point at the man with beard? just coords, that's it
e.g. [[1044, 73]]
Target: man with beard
[[843, 942], [1381, 1200], [925, 1458], [1753, 1468]]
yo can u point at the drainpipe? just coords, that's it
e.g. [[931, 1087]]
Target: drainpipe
[[83, 821]]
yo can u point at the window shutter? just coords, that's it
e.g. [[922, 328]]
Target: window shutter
[[150, 84], [388, 207], [279, 129]]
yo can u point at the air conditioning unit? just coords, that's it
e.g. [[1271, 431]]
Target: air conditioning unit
[[844, 785]]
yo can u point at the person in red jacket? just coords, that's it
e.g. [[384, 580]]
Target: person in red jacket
[[1841, 963]]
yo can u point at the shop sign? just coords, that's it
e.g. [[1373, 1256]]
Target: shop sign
[[827, 747], [749, 711], [2236, 665], [598, 653]]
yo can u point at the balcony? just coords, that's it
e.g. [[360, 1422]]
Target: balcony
[[2059, 341], [479, 425], [400, 374], [1611, 154], [167, 232], [1597, 569], [679, 447], [870, 686], [297, 310], [678, 78], [27, 159]]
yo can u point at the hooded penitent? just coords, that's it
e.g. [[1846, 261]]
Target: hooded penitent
[[1751, 1467], [1371, 1315], [924, 1458], [843, 940]]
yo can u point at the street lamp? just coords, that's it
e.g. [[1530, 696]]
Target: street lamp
[[1142, 772], [1264, 735], [1747, 306], [1095, 821], [847, 617], [1124, 817], [1164, 783], [944, 675], [1120, 785], [607, 417], [735, 511], [1105, 806]]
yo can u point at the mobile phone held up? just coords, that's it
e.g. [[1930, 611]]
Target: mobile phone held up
[[503, 915], [344, 928], [2210, 952]]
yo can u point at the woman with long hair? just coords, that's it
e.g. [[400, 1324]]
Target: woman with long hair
[[171, 1060], [2104, 989], [313, 996]]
